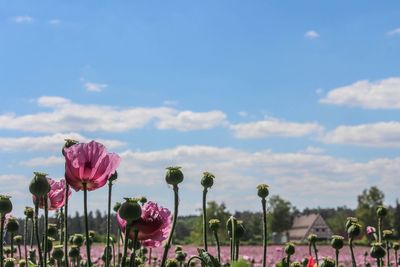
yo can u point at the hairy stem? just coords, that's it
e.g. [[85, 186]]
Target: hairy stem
[[46, 225], [353, 259], [123, 261], [218, 246], [108, 223], [2, 219], [132, 262], [264, 209], [85, 210], [337, 257], [66, 226], [205, 219], [36, 226]]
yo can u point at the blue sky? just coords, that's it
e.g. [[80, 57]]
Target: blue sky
[[304, 96]]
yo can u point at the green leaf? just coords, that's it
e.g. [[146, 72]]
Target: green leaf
[[31, 264], [240, 263], [208, 259]]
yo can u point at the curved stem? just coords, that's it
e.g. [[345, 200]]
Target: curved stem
[[108, 223], [66, 226], [132, 262], [123, 261], [2, 219], [195, 257], [316, 253], [88, 260], [205, 219], [264, 209], [46, 225], [36, 226], [218, 246], [168, 244], [337, 257], [353, 259]]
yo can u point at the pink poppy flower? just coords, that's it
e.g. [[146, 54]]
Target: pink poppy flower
[[154, 225], [56, 196], [90, 164], [371, 230]]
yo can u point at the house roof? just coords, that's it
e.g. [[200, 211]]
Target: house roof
[[303, 225]]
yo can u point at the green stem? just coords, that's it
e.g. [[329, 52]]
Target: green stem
[[66, 225], [353, 259], [309, 249], [12, 245], [237, 250], [379, 229], [25, 237], [196, 257], [233, 238], [205, 219], [264, 208], [32, 234], [150, 252], [378, 262], [316, 253], [288, 260], [85, 210], [218, 246], [19, 252], [337, 257], [108, 223], [123, 261], [132, 262], [36, 226], [231, 247], [2, 219], [61, 220], [46, 226], [387, 254], [168, 244], [118, 246], [396, 260], [113, 251]]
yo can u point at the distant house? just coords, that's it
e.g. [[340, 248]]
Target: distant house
[[309, 224]]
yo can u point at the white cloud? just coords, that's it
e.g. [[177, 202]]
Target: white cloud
[[314, 150], [95, 87], [394, 32], [66, 116], [380, 134], [44, 161], [382, 94], [23, 19], [311, 34], [54, 22], [51, 142], [170, 102], [274, 127], [243, 114]]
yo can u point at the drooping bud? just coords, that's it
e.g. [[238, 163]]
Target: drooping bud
[[312, 238], [337, 242], [381, 211], [29, 212], [116, 207], [262, 190], [214, 224], [130, 210], [354, 230], [229, 222], [39, 185], [328, 262], [12, 225], [68, 143], [208, 180], [5, 205], [174, 175], [290, 249], [377, 251], [58, 252]]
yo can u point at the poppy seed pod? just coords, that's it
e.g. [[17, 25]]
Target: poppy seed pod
[[5, 205], [145, 250], [113, 176], [68, 143], [18, 239], [178, 248], [354, 230], [208, 180], [180, 256], [52, 230], [12, 225], [58, 252], [337, 242], [73, 252], [50, 243], [328, 262], [262, 190], [396, 246], [290, 249], [9, 262], [92, 234], [116, 207], [214, 224], [172, 263], [78, 240], [143, 200], [28, 212], [39, 185], [312, 238], [387, 234], [22, 263], [381, 211], [130, 210], [350, 221], [377, 251], [174, 175], [296, 264]]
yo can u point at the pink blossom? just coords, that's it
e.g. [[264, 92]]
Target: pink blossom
[[90, 164], [56, 196], [154, 225], [371, 230]]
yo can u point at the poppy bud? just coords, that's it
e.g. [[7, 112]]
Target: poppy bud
[[130, 210], [178, 248], [387, 234], [68, 143], [32, 255], [9, 262], [39, 185], [12, 225], [381, 211], [103, 257], [328, 262], [143, 200], [29, 212], [113, 176], [290, 249], [174, 175], [312, 238], [92, 234], [78, 240], [208, 180], [144, 250], [180, 256], [116, 207], [377, 251], [18, 240], [262, 190], [172, 263], [354, 230], [296, 264], [50, 243], [58, 252], [22, 263], [5, 205], [350, 221], [337, 242], [73, 252], [52, 230], [214, 224]]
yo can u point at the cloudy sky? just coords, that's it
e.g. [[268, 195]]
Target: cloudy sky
[[301, 95]]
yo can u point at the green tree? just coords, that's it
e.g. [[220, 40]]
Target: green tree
[[280, 214], [368, 201]]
